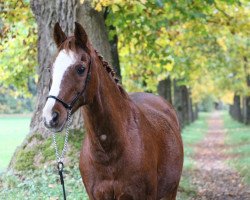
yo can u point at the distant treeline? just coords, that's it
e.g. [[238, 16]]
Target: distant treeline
[[13, 101], [14, 105]]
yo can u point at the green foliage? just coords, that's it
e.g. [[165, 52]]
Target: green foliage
[[203, 43], [239, 139], [17, 45], [11, 102], [189, 40], [207, 103], [143, 41]]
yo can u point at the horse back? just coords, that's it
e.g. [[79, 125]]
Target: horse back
[[156, 108], [163, 132]]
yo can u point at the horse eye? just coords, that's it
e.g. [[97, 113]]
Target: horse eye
[[80, 70]]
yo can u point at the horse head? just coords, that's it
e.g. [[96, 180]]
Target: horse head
[[70, 77]]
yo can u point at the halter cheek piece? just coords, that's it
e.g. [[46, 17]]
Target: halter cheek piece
[[72, 103]]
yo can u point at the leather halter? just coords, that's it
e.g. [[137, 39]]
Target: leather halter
[[70, 105]]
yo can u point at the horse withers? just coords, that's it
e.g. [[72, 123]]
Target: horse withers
[[133, 148]]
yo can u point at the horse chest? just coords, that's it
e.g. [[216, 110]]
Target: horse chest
[[117, 190], [110, 183]]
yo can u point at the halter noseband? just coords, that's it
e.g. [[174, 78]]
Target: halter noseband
[[72, 103]]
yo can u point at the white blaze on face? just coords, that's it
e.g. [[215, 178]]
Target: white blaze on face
[[63, 61]]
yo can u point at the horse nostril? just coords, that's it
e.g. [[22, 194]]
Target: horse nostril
[[55, 116]]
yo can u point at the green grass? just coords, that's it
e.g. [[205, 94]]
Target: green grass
[[238, 139], [13, 130], [33, 182], [191, 135], [43, 183]]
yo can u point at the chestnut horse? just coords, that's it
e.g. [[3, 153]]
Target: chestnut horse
[[133, 148]]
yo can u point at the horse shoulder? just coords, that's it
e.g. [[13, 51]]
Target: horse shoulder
[[156, 110]]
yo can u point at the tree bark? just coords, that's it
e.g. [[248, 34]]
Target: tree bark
[[164, 89], [182, 103], [246, 99], [244, 109], [235, 110], [47, 13], [190, 109], [247, 114], [246, 105], [185, 105], [115, 56], [177, 102], [196, 111]]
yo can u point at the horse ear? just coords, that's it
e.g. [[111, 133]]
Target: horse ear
[[80, 35], [59, 35]]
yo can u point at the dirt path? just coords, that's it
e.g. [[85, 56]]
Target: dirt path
[[213, 178]]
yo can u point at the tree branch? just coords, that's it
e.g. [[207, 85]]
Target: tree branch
[[222, 11]]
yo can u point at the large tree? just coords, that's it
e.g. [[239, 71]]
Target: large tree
[[47, 13], [66, 12]]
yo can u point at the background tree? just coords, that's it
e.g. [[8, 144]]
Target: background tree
[[66, 13], [184, 50], [47, 13]]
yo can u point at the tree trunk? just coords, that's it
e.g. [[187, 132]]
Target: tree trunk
[[115, 56], [196, 111], [190, 110], [236, 110], [47, 13], [247, 114], [185, 105], [244, 109], [164, 89], [246, 101], [246, 105], [177, 102]]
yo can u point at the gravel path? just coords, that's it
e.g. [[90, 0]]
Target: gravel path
[[212, 177]]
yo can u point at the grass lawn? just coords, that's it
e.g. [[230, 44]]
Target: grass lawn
[[13, 130], [43, 183], [191, 135], [238, 139]]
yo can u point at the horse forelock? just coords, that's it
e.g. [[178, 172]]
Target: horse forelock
[[70, 45]]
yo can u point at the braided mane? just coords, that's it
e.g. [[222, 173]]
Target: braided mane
[[108, 68], [112, 74]]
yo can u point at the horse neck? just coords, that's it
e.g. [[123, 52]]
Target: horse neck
[[106, 116]]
